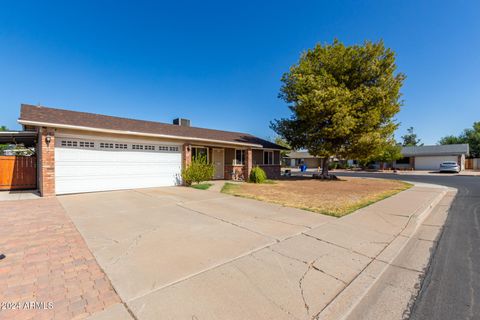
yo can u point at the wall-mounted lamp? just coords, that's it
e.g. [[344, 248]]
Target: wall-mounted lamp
[[188, 148], [48, 138]]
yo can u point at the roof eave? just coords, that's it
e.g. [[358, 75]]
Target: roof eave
[[155, 135]]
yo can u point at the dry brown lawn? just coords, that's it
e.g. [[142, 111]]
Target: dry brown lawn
[[336, 198]]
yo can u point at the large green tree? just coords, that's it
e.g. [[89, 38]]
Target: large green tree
[[343, 100], [410, 139], [470, 136]]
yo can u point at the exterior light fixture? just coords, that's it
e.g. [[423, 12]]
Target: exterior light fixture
[[48, 138]]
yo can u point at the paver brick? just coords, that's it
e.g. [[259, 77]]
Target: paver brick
[[47, 260]]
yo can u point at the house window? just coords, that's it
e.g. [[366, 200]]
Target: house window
[[198, 152], [137, 147], [68, 143], [239, 157], [120, 146], [106, 145], [404, 160], [268, 157], [84, 144], [174, 148], [149, 147], [163, 148]]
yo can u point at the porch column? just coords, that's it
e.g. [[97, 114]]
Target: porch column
[[248, 163], [46, 161], [186, 155]]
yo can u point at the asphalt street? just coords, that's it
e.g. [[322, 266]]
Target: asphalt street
[[451, 288]]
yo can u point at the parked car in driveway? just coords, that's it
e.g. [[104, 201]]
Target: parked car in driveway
[[449, 166]]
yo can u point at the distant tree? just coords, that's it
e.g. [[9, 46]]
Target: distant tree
[[343, 100], [3, 147], [281, 142], [470, 136], [390, 152], [410, 139], [451, 140]]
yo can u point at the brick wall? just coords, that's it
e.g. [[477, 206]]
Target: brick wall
[[46, 158], [248, 162], [272, 170]]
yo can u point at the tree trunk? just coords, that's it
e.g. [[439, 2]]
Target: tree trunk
[[325, 163]]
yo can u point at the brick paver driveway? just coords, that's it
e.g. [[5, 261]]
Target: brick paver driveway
[[47, 262]]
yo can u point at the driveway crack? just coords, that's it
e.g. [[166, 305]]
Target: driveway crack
[[132, 245], [226, 221]]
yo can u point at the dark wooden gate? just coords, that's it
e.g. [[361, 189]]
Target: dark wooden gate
[[17, 172]]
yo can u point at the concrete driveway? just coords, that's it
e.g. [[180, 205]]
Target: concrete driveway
[[163, 248]]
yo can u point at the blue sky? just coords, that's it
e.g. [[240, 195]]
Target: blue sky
[[219, 63]]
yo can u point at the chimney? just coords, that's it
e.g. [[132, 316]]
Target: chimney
[[181, 122]]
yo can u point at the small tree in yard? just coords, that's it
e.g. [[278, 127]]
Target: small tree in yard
[[390, 152], [343, 100], [198, 171]]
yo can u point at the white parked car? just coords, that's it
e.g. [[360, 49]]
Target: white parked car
[[449, 166]]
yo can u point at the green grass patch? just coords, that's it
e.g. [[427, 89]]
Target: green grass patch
[[229, 188], [202, 186]]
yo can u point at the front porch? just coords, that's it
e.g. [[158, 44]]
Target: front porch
[[235, 163]]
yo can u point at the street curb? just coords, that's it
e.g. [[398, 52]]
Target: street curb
[[370, 275]]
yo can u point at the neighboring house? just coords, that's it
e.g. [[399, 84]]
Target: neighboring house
[[297, 158], [430, 157], [414, 158], [84, 152]]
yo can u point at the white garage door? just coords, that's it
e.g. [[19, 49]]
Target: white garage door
[[432, 163], [86, 165]]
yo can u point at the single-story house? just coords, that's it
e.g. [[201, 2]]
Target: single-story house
[[430, 157], [414, 158], [298, 158], [84, 152], [295, 159]]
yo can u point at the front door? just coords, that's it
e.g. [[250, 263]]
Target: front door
[[218, 163]]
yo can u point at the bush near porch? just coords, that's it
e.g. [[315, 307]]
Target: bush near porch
[[198, 171], [335, 198]]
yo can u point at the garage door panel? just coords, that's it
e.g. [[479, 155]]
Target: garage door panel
[[94, 169], [432, 162]]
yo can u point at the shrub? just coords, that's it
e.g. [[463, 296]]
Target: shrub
[[332, 166], [198, 171], [257, 175]]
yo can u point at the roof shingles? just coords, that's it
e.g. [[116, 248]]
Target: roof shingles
[[54, 116]]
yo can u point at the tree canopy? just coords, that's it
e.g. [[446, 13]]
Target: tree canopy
[[470, 136], [410, 139], [343, 100]]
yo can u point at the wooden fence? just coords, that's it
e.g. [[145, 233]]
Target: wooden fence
[[472, 164], [18, 172]]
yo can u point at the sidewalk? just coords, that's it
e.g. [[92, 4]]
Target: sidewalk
[[321, 273]]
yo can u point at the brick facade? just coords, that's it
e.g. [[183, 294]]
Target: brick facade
[[273, 171], [46, 162], [186, 155], [248, 162]]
